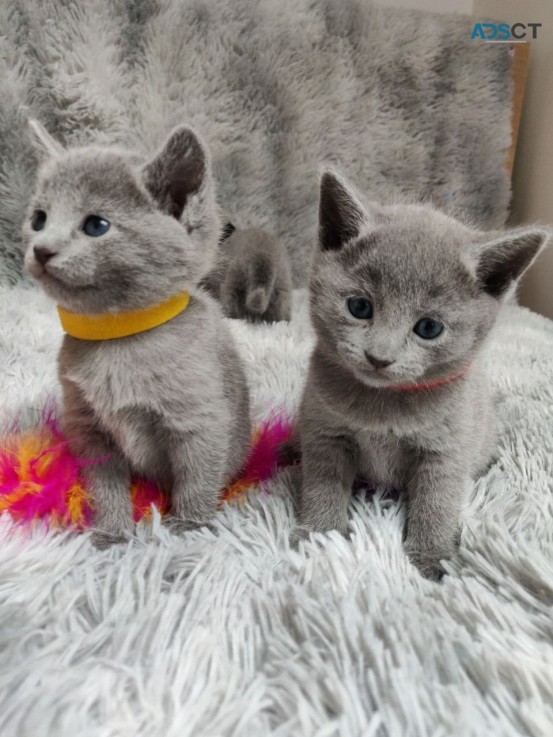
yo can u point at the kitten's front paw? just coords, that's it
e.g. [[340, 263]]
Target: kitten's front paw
[[103, 540], [300, 533], [430, 569], [429, 565], [297, 535], [180, 526]]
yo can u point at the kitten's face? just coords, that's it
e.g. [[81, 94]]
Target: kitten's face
[[98, 239], [396, 292]]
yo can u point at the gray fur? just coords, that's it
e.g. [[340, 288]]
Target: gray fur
[[252, 277], [399, 99], [171, 403], [411, 261]]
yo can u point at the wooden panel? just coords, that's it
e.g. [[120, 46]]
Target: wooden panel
[[520, 72]]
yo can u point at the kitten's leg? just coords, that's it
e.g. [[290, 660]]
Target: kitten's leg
[[198, 464], [108, 480], [329, 464], [109, 485], [437, 492]]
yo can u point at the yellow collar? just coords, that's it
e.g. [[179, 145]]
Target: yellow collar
[[122, 324]]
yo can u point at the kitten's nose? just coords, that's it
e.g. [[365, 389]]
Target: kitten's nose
[[43, 254], [378, 363]]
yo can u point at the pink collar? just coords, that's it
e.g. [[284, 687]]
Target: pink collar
[[430, 384]]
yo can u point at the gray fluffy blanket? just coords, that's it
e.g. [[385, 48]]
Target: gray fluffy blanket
[[397, 99]]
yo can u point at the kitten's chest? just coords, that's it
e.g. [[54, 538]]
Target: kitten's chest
[[112, 378], [117, 376], [383, 457], [389, 447], [390, 438]]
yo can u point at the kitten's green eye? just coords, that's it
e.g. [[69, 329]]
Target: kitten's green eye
[[428, 328], [95, 226], [360, 307], [38, 221]]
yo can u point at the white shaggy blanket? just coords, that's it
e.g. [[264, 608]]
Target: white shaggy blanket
[[233, 634]]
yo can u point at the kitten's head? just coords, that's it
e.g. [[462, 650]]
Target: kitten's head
[[107, 231], [404, 293]]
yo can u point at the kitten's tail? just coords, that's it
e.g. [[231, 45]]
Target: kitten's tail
[[260, 284], [257, 299]]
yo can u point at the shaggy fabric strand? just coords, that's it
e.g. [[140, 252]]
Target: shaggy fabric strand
[[400, 100], [229, 633]]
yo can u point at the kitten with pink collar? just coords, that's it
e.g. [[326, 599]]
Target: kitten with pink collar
[[402, 300]]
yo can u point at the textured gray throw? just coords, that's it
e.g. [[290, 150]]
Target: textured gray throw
[[396, 99]]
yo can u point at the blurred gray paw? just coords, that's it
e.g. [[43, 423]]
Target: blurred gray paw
[[103, 540], [297, 535], [180, 525], [429, 565]]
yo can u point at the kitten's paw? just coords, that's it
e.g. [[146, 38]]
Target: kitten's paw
[[297, 535], [103, 540], [430, 569], [429, 565], [180, 526], [300, 533]]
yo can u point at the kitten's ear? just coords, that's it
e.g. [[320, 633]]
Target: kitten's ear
[[502, 261], [340, 212], [179, 171], [42, 141]]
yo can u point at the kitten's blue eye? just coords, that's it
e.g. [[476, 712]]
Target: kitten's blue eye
[[94, 226], [360, 307], [428, 328], [38, 221]]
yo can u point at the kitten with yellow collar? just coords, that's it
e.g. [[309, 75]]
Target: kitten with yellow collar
[[152, 382]]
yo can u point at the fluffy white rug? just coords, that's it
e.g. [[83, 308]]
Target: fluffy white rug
[[233, 634]]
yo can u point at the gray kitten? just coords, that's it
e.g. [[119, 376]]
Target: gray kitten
[[252, 276], [108, 233], [402, 300]]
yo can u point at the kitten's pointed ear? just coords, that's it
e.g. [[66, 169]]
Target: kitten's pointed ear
[[340, 213], [503, 260], [179, 171], [42, 141]]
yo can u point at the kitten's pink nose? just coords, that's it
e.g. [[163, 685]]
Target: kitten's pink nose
[[378, 363], [43, 254]]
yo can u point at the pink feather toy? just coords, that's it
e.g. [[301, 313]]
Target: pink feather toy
[[40, 479]]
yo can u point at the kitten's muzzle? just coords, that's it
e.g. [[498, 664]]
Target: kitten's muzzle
[[378, 363], [43, 254]]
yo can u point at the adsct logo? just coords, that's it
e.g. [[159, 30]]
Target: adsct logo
[[503, 33]]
